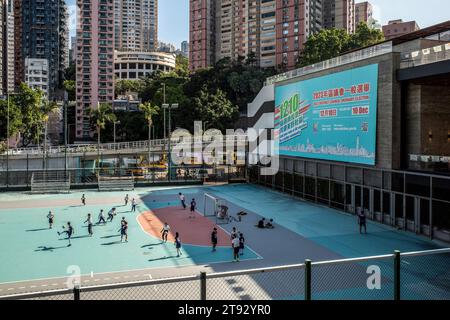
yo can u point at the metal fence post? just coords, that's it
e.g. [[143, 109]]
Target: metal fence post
[[397, 275], [202, 285], [308, 279], [76, 292]]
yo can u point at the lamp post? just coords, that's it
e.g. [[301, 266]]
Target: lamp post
[[170, 107], [115, 122], [7, 142], [164, 104]]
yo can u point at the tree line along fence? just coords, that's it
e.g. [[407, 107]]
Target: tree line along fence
[[420, 275]]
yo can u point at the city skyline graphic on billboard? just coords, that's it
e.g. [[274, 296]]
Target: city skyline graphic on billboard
[[333, 117]]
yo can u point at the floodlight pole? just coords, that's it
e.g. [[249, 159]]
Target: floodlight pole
[[169, 165], [7, 142]]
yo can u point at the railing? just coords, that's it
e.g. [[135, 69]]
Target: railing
[[425, 56], [81, 148], [399, 276], [359, 55], [105, 147], [88, 178]]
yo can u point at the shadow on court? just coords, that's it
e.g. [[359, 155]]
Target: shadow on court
[[79, 237], [112, 243], [112, 236], [164, 258], [35, 230], [51, 249], [152, 245]]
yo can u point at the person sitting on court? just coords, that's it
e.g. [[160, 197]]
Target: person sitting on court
[[269, 225], [261, 223]]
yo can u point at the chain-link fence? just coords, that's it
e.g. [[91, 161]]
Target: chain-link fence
[[353, 279], [421, 275], [425, 276]]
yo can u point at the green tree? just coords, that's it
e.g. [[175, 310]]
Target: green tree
[[324, 45], [365, 36], [215, 108], [15, 118], [125, 86], [100, 116], [182, 66], [30, 102], [330, 43], [70, 87], [71, 73]]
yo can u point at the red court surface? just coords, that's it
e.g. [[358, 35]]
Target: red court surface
[[194, 231]]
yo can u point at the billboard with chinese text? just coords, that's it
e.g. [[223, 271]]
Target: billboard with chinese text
[[333, 117]]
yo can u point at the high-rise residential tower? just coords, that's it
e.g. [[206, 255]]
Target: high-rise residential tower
[[185, 48], [94, 61], [44, 29], [272, 31], [202, 37], [7, 73], [339, 14], [18, 60], [364, 13], [136, 25]]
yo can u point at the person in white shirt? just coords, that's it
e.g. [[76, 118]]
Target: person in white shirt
[[50, 218], [101, 218], [89, 222], [183, 200], [236, 246], [165, 231], [133, 205]]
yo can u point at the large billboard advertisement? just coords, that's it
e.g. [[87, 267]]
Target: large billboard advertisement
[[333, 117]]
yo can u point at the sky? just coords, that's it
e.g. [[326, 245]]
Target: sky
[[173, 15]]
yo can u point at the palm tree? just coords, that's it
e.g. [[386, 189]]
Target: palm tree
[[100, 116], [149, 111]]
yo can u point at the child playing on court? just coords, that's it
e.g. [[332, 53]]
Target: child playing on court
[[126, 200], [178, 244], [101, 217], [236, 246], [83, 199], [89, 222], [193, 206], [133, 205], [123, 230], [50, 218], [165, 231], [69, 232], [241, 243]]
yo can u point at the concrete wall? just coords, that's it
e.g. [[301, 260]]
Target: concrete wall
[[435, 119]]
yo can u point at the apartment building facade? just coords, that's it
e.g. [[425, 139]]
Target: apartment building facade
[[136, 25], [272, 30], [364, 13], [7, 73], [94, 61], [37, 74], [44, 35], [339, 14], [396, 28]]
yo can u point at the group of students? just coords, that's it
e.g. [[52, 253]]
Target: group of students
[[69, 230], [164, 234], [262, 224]]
